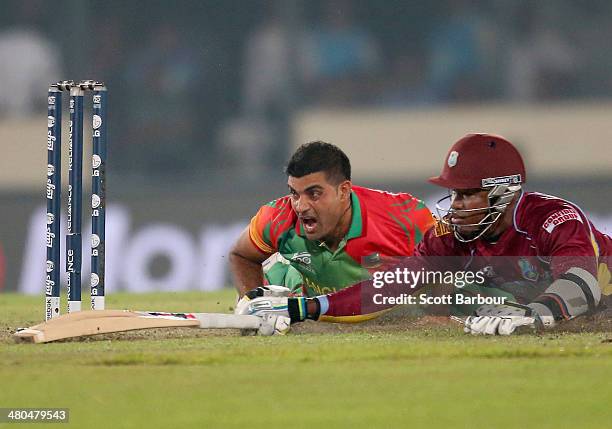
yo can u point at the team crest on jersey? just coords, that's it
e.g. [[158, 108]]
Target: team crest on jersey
[[528, 271], [488, 271], [560, 217], [452, 158], [441, 228], [302, 257]]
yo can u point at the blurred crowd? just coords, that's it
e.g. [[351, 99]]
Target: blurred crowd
[[207, 84]]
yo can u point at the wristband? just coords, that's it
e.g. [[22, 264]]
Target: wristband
[[317, 312], [297, 309]]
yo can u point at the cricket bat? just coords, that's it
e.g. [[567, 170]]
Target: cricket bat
[[86, 323]]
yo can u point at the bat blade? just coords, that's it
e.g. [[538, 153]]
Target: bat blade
[[87, 323]]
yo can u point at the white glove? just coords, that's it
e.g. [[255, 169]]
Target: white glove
[[496, 325], [274, 325], [269, 303], [262, 291], [502, 319], [264, 305], [273, 311], [273, 306], [273, 290]]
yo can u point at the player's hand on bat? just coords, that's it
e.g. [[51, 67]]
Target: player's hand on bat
[[265, 300], [262, 291], [273, 324], [260, 305], [271, 304]]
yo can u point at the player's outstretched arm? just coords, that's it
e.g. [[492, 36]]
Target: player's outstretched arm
[[342, 306], [572, 294], [245, 263]]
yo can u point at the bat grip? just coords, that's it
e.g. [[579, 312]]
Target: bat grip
[[221, 321]]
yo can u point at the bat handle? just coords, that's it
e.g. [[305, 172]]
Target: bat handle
[[221, 321]]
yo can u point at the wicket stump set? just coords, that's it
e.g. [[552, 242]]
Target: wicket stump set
[[74, 249]]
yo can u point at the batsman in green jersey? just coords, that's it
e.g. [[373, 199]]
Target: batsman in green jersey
[[326, 234]]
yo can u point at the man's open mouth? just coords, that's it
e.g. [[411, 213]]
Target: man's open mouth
[[310, 224]]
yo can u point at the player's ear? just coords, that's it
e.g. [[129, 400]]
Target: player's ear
[[345, 189]]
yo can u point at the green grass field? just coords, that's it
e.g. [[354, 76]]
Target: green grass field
[[359, 376]]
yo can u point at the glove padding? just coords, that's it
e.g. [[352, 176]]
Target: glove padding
[[269, 303], [502, 319], [262, 291], [496, 325], [272, 324], [269, 290]]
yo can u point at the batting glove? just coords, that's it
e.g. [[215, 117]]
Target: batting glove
[[263, 300], [502, 319], [273, 324], [496, 325], [262, 291]]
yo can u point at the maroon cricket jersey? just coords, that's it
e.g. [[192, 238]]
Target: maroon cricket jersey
[[549, 235], [547, 231]]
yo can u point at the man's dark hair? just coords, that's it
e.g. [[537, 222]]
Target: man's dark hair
[[320, 156]]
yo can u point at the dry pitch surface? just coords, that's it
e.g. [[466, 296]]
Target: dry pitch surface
[[393, 372]]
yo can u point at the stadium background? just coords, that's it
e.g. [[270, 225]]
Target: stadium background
[[208, 98]]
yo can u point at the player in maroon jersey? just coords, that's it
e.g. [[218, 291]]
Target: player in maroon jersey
[[539, 249]]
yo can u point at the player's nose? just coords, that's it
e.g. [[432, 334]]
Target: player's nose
[[301, 206], [457, 203]]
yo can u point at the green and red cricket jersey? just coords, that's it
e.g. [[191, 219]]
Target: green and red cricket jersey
[[384, 226]]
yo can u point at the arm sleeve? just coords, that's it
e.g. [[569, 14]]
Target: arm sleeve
[[357, 302], [414, 218], [569, 243], [423, 222], [269, 223], [567, 237]]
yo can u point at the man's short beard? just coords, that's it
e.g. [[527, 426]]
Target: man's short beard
[[469, 234], [490, 236]]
